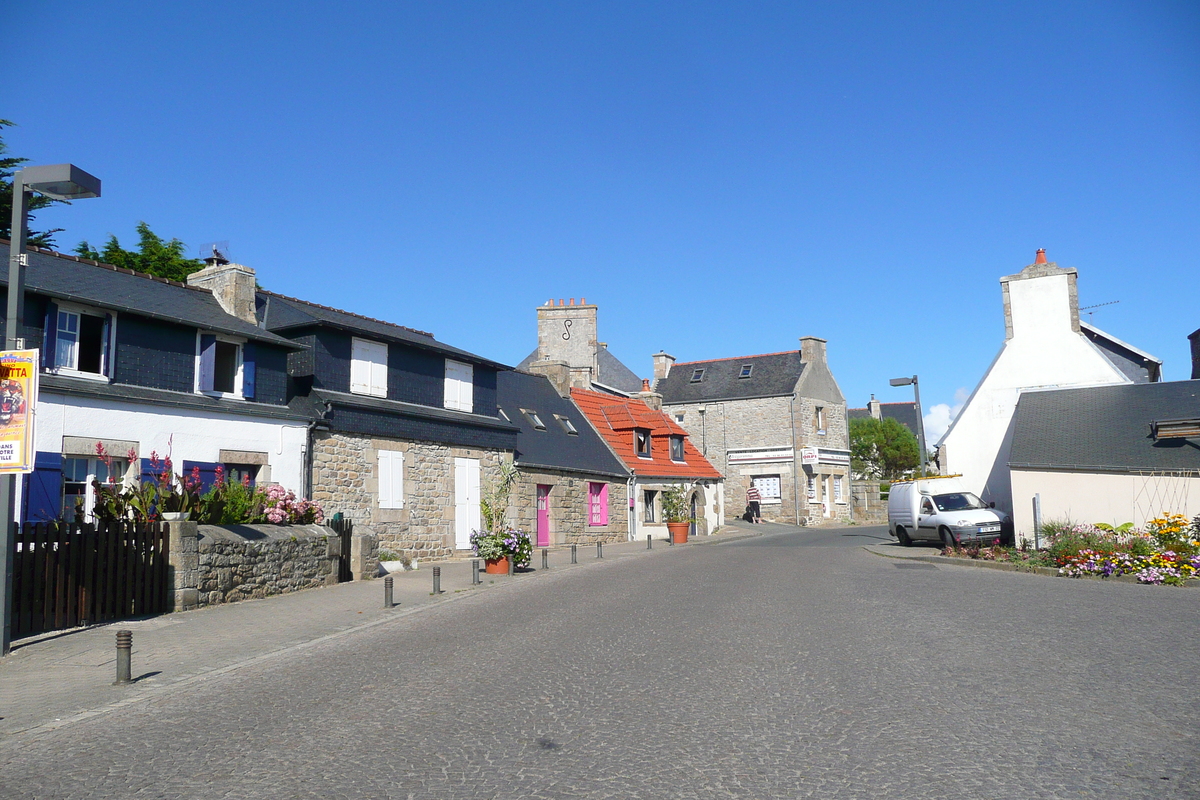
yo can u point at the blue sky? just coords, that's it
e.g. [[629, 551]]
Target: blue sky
[[720, 179]]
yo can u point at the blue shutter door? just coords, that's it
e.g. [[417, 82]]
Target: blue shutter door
[[208, 361], [248, 371], [106, 346], [43, 488], [208, 473], [50, 336]]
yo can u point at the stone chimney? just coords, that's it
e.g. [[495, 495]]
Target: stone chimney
[[557, 371], [567, 333], [873, 408], [648, 396], [812, 349], [1194, 338], [1041, 296], [662, 366], [231, 284]]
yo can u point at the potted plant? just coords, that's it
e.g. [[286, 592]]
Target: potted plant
[[498, 543], [677, 513]]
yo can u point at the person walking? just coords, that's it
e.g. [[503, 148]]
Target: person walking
[[754, 501]]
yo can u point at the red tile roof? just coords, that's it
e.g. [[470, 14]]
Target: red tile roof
[[617, 417]]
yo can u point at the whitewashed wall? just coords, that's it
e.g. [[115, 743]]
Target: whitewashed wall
[[1043, 353]]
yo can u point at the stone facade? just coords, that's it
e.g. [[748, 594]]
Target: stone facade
[[569, 515], [346, 480]]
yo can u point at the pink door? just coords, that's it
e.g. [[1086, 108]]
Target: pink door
[[543, 522]]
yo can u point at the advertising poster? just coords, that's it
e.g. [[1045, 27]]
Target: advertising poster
[[18, 395]]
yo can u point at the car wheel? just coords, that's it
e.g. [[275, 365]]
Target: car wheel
[[902, 535], [947, 537]]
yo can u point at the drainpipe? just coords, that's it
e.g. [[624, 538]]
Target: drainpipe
[[795, 464], [631, 499]]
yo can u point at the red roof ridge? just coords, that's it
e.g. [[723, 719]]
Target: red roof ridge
[[731, 358], [347, 313]]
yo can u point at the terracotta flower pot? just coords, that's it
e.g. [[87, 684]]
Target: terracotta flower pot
[[679, 531], [496, 566]]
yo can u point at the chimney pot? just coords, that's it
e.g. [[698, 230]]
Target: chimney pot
[[1041, 256], [645, 384], [583, 301]]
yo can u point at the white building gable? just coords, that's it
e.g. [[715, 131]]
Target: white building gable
[[1044, 348]]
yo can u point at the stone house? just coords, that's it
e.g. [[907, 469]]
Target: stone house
[[568, 338], [658, 455], [405, 429], [573, 489], [1046, 346], [138, 365], [776, 420]]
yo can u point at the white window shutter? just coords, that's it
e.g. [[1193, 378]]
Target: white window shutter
[[451, 395], [379, 373], [459, 393], [360, 368], [391, 479], [466, 387]]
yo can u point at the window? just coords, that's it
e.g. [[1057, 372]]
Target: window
[[391, 479], [534, 419], [746, 370], [503, 415], [597, 504], [819, 420], [79, 497], [677, 448], [837, 489], [220, 365], [368, 367], [567, 425], [679, 417], [648, 498], [77, 341], [812, 488], [641, 441], [460, 385], [241, 473], [769, 487], [697, 375]]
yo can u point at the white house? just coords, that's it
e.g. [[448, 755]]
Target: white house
[[1045, 347]]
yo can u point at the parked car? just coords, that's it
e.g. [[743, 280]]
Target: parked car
[[940, 509]]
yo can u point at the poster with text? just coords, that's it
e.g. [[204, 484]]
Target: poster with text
[[18, 396]]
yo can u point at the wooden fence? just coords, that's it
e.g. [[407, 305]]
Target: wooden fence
[[70, 574]]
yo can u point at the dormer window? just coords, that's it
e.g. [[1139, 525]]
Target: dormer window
[[534, 419], [460, 386], [677, 448], [77, 341], [641, 441], [567, 425], [745, 371], [697, 375], [219, 365], [368, 367]]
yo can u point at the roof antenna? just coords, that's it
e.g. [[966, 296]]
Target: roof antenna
[[215, 254], [1098, 305]]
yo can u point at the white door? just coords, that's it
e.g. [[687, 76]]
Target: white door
[[827, 496], [466, 501]]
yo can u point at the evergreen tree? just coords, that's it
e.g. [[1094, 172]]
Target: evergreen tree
[[882, 448], [153, 256], [8, 167]]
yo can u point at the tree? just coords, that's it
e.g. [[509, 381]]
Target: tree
[[153, 256], [882, 448], [8, 167]]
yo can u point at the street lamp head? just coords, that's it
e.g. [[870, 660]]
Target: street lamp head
[[901, 381], [60, 181]]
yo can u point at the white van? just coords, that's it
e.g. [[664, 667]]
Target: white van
[[940, 509]]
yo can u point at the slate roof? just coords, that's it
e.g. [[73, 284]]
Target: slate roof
[[282, 313], [1104, 428], [1137, 365], [315, 401], [616, 418], [904, 413], [48, 383], [610, 371], [92, 283], [552, 447], [771, 375]]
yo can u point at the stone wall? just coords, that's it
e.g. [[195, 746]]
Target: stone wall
[[568, 508], [346, 479]]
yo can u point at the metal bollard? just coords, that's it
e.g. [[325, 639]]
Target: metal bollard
[[475, 572], [670, 540], [124, 657], [599, 549], [649, 542], [388, 584], [437, 580], [574, 560], [545, 558], [512, 564]]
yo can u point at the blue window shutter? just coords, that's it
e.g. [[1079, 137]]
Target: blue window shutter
[[43, 489], [248, 371], [208, 473], [208, 361], [50, 336], [148, 472], [106, 346]]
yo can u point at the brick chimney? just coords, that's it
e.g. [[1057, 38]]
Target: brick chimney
[[662, 365], [231, 284], [812, 349], [567, 333]]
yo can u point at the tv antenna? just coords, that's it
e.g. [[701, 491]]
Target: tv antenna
[[215, 253], [1098, 305]]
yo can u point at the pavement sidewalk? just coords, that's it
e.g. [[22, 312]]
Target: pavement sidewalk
[[55, 679]]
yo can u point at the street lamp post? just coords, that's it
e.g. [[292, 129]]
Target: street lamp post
[[920, 421], [61, 182]]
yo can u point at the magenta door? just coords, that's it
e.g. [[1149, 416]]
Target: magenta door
[[543, 523]]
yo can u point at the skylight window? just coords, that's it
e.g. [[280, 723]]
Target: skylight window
[[534, 419], [746, 370], [567, 425], [697, 375]]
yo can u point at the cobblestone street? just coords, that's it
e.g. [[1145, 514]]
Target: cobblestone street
[[794, 664]]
